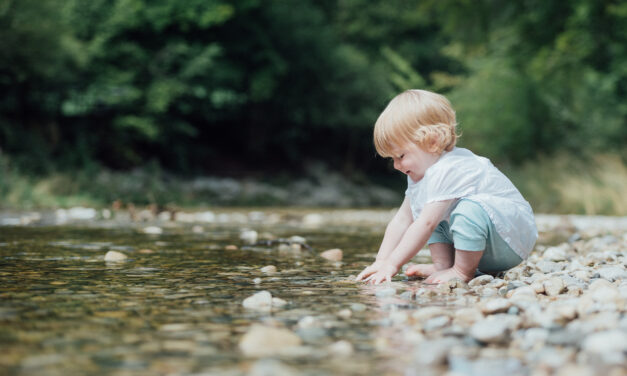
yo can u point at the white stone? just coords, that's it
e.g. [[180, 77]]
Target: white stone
[[554, 286], [206, 216], [269, 269], [613, 273], [554, 254], [493, 329], [115, 256], [82, 213], [341, 348], [153, 230], [496, 306], [249, 236], [614, 340], [260, 301], [603, 291], [426, 313], [298, 239], [278, 302], [334, 254], [261, 340], [385, 292], [481, 280], [313, 220]]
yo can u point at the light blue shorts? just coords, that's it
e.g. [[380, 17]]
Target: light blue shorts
[[470, 229]]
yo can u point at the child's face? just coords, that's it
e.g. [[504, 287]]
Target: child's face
[[413, 161]]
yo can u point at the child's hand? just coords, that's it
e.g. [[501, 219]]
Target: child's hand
[[378, 272]]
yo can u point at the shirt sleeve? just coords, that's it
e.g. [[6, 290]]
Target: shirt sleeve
[[452, 181]]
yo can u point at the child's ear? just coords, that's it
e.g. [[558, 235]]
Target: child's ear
[[431, 144]]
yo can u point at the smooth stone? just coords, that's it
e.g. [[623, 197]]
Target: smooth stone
[[261, 300], [426, 313], [496, 306], [153, 230], [334, 254], [549, 266], [481, 280], [554, 286], [525, 290], [467, 316], [307, 322], [278, 302], [614, 340], [436, 323], [313, 334], [385, 292], [564, 337], [257, 281], [115, 256], [297, 239], [345, 313], [434, 352], [262, 340], [271, 367], [269, 269], [249, 236], [341, 348], [231, 247], [495, 328], [358, 307], [554, 254], [602, 290], [613, 273]]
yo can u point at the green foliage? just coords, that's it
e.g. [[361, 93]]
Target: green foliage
[[248, 87]]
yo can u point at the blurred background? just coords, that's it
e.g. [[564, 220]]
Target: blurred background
[[272, 102]]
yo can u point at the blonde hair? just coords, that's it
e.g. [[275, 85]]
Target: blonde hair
[[419, 116]]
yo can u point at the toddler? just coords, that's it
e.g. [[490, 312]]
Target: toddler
[[468, 212]]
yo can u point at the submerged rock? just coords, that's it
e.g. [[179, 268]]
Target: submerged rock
[[262, 340], [261, 301], [334, 254], [115, 256]]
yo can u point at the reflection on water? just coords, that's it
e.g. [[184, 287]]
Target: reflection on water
[[175, 306]]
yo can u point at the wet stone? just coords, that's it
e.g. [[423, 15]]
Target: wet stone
[[261, 340]]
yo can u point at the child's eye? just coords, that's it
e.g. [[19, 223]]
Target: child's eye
[[401, 156]]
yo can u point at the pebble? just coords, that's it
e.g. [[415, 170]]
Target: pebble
[[385, 292], [496, 306], [341, 348], [249, 236], [231, 247], [259, 301], [481, 280], [607, 341], [261, 340], [270, 367], [554, 286], [495, 328], [115, 256], [153, 230], [269, 269], [613, 273], [334, 254]]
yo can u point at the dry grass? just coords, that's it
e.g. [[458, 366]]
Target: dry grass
[[566, 185]]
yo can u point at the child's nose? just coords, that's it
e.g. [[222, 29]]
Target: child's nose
[[397, 164]]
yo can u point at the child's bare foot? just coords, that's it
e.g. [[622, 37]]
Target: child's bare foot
[[420, 270], [446, 275]]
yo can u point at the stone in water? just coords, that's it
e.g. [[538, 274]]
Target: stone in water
[[115, 256], [334, 254]]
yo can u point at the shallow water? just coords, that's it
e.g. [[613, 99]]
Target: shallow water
[[175, 306]]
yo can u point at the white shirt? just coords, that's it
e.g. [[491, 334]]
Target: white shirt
[[461, 174]]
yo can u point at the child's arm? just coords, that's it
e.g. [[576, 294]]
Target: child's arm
[[412, 241], [393, 234]]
